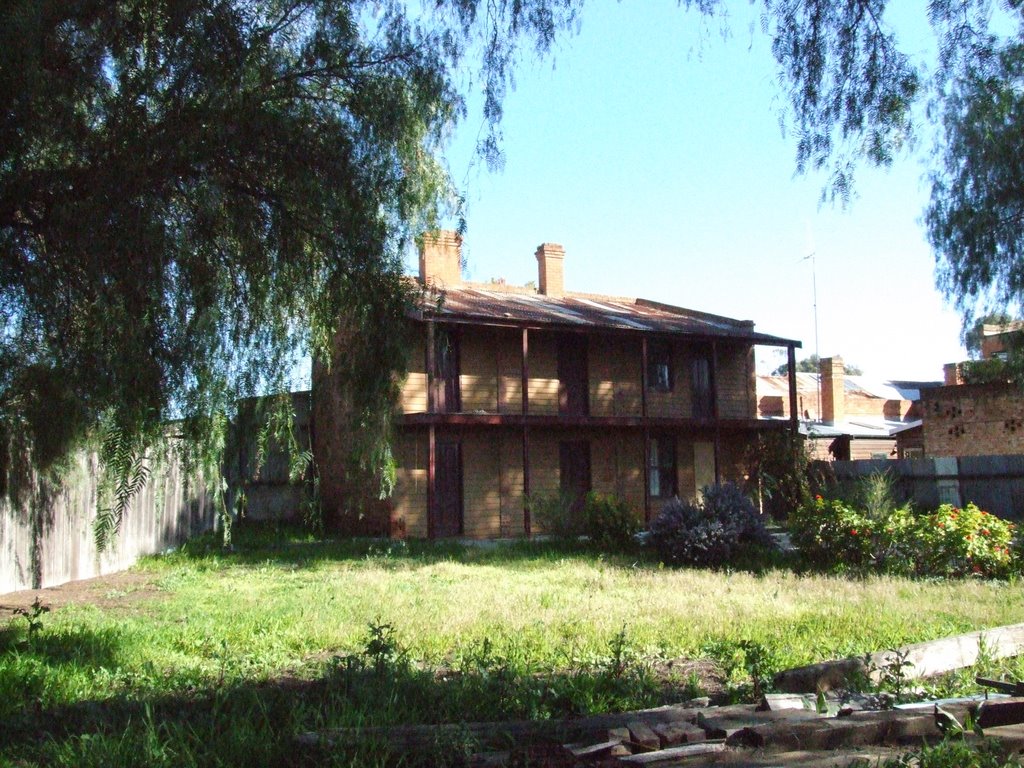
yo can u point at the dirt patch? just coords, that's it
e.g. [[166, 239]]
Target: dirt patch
[[116, 590], [684, 678]]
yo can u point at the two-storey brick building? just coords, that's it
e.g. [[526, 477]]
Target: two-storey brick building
[[516, 392]]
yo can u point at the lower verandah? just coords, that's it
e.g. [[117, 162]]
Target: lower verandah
[[491, 486]]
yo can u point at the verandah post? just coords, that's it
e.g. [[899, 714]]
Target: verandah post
[[525, 379], [647, 431], [715, 412]]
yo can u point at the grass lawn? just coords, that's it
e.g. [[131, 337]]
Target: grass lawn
[[209, 658]]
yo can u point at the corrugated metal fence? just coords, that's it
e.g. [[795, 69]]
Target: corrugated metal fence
[[994, 483], [46, 532]]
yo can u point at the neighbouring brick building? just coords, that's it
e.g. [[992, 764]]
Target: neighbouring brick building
[[973, 420], [967, 419], [998, 338], [519, 392], [845, 416]]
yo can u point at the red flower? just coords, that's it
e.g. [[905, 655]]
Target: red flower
[[976, 568], [818, 497], [970, 536], [984, 531], [941, 524], [853, 531]]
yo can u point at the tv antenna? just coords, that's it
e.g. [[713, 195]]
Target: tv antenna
[[817, 350]]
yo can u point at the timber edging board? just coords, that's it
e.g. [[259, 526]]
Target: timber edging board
[[744, 727], [761, 738], [929, 658]]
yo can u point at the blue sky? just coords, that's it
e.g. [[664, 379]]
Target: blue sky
[[653, 152]]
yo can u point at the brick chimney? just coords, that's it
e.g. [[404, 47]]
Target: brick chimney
[[833, 389], [549, 269], [952, 374], [441, 258]]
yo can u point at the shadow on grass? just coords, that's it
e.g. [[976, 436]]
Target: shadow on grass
[[292, 546], [66, 648], [256, 722]]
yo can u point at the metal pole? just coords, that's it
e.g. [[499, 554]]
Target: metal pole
[[817, 349]]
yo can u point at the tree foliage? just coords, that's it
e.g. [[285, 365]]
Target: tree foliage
[[194, 193], [856, 95], [976, 215], [850, 87], [973, 336]]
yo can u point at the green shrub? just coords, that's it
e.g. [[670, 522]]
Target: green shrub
[[779, 462], [554, 515], [877, 494], [966, 542], [603, 518], [707, 533], [830, 532], [608, 521], [988, 371], [833, 535]]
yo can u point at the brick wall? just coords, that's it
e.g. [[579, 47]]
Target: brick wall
[[490, 376], [736, 385], [614, 366], [973, 420]]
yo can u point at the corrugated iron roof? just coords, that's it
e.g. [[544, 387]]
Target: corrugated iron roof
[[490, 305], [856, 428]]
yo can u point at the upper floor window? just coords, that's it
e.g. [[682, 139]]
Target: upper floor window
[[659, 366], [703, 380], [661, 468]]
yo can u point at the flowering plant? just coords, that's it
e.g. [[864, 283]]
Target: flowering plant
[[966, 541], [831, 533], [951, 541]]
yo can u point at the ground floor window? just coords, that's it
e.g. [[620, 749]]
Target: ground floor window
[[661, 474]]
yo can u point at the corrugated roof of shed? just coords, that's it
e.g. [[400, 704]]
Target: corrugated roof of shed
[[807, 383]]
